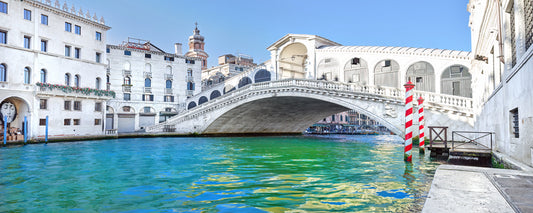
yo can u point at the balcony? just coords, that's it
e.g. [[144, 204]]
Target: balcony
[[168, 90], [126, 72], [169, 76], [190, 93], [147, 74], [148, 90], [108, 71], [126, 88], [189, 79], [45, 89]]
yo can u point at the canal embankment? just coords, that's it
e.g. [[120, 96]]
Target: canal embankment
[[476, 189]]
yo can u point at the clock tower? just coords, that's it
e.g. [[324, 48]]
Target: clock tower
[[196, 47]]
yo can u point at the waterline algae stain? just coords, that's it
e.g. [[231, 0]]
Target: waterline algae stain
[[250, 174]]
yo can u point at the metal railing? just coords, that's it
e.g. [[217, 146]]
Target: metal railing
[[126, 88], [108, 71], [148, 90], [475, 140]]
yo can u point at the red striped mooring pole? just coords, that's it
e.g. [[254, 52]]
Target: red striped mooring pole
[[421, 125], [408, 156]]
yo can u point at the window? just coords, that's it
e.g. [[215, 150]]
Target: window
[[514, 122], [528, 13], [148, 55], [189, 61], [168, 84], [43, 104], [77, 105], [126, 109], [68, 27], [67, 79], [77, 29], [419, 79], [189, 72], [168, 109], [97, 122], [76, 122], [333, 118], [66, 122], [97, 83], [27, 14], [98, 107], [44, 45], [127, 52], [66, 105], [387, 63], [98, 36], [355, 61], [107, 50], [77, 81], [169, 98], [43, 76], [513, 36], [3, 37], [146, 110], [98, 57], [44, 19], [42, 122], [27, 75], [77, 52], [127, 81], [190, 86], [27, 42], [3, 7], [148, 97], [67, 51], [127, 96], [167, 58], [147, 82]]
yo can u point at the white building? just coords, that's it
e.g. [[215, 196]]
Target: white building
[[151, 85], [52, 65], [502, 38]]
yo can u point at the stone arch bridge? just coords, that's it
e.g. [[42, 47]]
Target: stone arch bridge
[[292, 105]]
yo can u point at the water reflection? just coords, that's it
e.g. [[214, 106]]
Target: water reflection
[[273, 174]]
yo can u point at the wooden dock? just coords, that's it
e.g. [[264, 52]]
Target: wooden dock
[[467, 150]]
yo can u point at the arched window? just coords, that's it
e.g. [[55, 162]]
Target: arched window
[[127, 81], [202, 100], [191, 105], [262, 75], [77, 80], [97, 83], [168, 84], [107, 79], [147, 82], [386, 73], [43, 76], [244, 81], [214, 94], [422, 75], [127, 66], [26, 75], [3, 72], [456, 80], [67, 79]]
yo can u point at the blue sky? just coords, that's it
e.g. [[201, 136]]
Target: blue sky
[[250, 26]]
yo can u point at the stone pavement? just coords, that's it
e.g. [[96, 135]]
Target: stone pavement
[[476, 189]]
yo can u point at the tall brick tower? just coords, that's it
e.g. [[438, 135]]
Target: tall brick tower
[[196, 47]]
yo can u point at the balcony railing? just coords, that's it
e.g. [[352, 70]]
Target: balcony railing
[[148, 90], [126, 88], [169, 76], [190, 93], [108, 71], [126, 72], [147, 74], [168, 90], [189, 78]]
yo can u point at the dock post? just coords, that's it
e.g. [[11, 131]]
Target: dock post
[[5, 130], [408, 156], [25, 129], [46, 131], [421, 125]]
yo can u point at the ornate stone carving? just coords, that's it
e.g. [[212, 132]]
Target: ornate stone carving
[[102, 21], [65, 6], [88, 15], [48, 2], [95, 18], [390, 111], [80, 12], [73, 9], [56, 4]]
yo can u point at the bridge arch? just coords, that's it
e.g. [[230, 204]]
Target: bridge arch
[[244, 81], [422, 74], [356, 71], [214, 94], [387, 73], [229, 88], [328, 69], [191, 105], [456, 80], [262, 75], [292, 61], [202, 100]]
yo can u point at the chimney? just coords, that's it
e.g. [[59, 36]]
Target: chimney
[[177, 48]]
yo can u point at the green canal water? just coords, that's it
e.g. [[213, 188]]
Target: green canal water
[[249, 174]]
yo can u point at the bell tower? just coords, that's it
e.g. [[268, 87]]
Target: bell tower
[[196, 47]]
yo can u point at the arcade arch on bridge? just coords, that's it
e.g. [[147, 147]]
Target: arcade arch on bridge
[[262, 75], [292, 61], [386, 73], [422, 74], [328, 69], [456, 80], [356, 71]]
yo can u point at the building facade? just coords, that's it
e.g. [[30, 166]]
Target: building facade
[[502, 38], [52, 66], [197, 47], [228, 66], [151, 85]]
